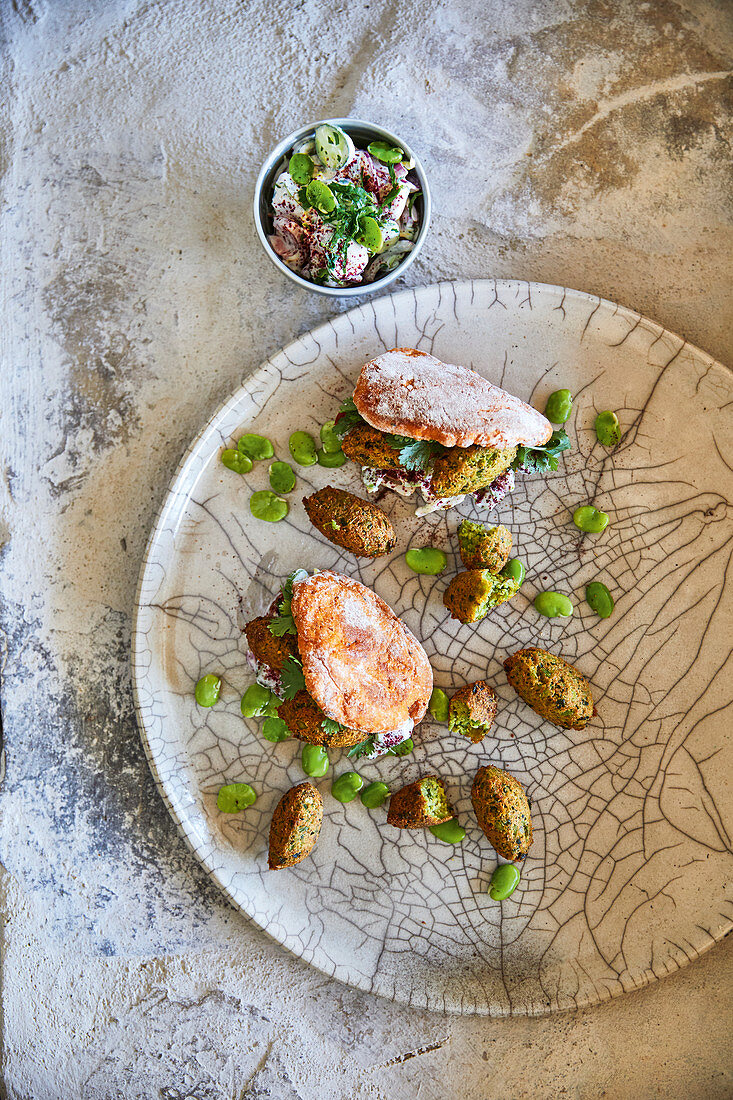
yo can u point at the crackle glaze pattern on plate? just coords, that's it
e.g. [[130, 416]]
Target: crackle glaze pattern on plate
[[626, 880]]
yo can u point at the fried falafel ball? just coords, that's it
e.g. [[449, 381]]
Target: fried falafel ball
[[455, 470], [471, 595], [304, 718], [369, 447], [420, 804], [551, 687], [266, 647], [295, 826], [502, 810], [484, 547], [468, 469], [472, 710], [355, 524]]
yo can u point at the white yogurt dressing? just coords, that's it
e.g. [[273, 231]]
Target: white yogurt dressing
[[383, 742], [405, 486], [265, 675]]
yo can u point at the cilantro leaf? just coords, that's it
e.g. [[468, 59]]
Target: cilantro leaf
[[283, 623], [348, 417], [362, 748], [329, 726], [415, 454], [292, 678], [542, 458]]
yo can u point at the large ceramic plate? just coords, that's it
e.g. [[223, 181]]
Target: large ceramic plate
[[626, 879]]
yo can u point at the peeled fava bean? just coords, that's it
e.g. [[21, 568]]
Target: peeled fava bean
[[599, 599], [426, 559], [347, 786], [553, 605], [207, 690], [450, 832], [376, 794], [303, 448], [559, 406], [235, 797], [439, 705], [255, 447], [590, 520], [504, 881], [608, 429]]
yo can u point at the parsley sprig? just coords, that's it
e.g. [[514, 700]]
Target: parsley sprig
[[542, 458]]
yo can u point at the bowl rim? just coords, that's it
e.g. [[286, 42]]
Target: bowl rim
[[278, 152]]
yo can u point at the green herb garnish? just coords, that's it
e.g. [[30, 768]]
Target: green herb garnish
[[283, 621], [415, 454], [542, 458], [330, 727], [362, 748], [292, 678], [347, 418]]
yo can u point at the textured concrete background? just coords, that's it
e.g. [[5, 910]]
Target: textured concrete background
[[571, 142]]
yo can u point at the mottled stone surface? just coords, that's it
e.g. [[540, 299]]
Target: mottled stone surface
[[586, 144]]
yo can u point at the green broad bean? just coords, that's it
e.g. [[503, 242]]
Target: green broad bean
[[504, 881], [314, 760], [599, 599], [428, 560], [439, 705], [207, 690], [303, 448], [235, 460], [255, 447], [320, 195], [332, 461], [403, 749], [301, 168], [266, 505], [559, 406], [590, 519], [370, 234], [275, 730], [271, 706], [256, 700], [376, 794], [553, 604], [233, 797], [282, 477], [347, 786], [449, 831], [388, 154], [608, 429], [514, 570], [329, 440]]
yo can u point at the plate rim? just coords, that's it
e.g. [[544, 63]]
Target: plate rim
[[634, 979]]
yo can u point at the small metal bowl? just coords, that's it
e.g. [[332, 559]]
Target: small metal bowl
[[361, 133]]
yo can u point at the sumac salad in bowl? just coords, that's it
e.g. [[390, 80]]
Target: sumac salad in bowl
[[344, 211]]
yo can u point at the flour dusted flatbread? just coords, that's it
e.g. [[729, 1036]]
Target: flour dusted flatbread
[[408, 392], [361, 664]]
